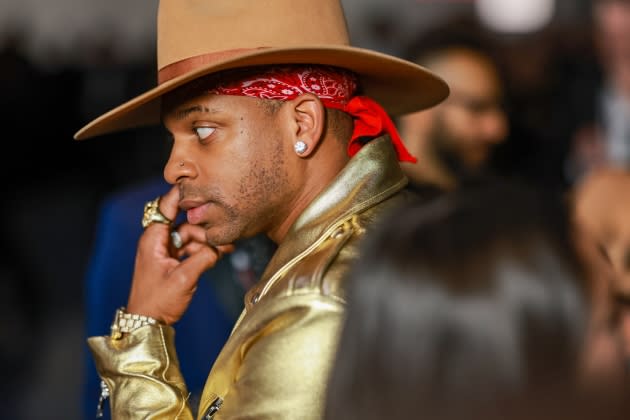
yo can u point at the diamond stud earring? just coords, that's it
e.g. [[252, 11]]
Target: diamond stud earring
[[300, 147]]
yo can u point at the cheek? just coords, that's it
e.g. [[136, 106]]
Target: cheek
[[415, 126], [460, 124], [236, 155], [263, 166]]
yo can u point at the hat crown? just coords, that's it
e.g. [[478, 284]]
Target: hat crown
[[190, 28], [201, 37]]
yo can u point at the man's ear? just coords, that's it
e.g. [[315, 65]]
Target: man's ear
[[309, 116]]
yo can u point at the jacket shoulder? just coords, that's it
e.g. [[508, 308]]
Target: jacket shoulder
[[323, 270]]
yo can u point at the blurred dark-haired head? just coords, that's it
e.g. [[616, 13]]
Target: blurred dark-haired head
[[455, 140], [470, 305]]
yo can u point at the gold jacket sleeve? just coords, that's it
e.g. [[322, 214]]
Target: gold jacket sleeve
[[142, 373]]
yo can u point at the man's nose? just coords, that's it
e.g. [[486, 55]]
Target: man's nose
[[178, 166], [494, 126]]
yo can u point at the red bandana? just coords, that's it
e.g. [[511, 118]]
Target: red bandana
[[334, 87]]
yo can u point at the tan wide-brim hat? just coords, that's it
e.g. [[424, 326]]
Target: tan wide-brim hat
[[199, 37]]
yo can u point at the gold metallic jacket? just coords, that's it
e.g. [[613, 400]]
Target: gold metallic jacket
[[276, 362]]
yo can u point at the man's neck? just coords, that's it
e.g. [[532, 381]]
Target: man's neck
[[317, 173], [432, 173], [306, 196]]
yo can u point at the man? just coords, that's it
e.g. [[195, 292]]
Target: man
[[269, 138], [604, 139], [454, 141]]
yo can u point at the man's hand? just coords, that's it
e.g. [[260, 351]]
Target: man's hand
[[163, 283]]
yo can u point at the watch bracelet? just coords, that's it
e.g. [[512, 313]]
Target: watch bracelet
[[125, 322]]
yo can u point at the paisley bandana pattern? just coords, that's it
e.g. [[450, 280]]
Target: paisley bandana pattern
[[335, 87], [331, 85]]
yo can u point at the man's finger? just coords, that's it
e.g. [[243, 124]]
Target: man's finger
[[168, 203], [191, 233], [225, 249], [190, 249], [168, 208], [190, 269], [194, 247]]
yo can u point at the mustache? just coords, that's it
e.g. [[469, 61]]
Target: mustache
[[201, 193]]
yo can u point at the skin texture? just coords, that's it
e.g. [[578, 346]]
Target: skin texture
[[601, 207], [464, 128], [235, 174], [241, 169]]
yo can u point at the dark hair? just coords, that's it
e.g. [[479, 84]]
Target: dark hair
[[459, 32], [470, 302]]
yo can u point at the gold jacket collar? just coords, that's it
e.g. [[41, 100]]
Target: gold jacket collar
[[370, 177]]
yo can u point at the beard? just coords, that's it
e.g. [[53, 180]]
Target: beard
[[223, 228], [247, 205], [442, 143]]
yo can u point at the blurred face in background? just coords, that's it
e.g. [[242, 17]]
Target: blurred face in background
[[612, 32], [462, 131], [602, 212]]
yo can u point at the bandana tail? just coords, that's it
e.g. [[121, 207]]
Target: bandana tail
[[371, 120]]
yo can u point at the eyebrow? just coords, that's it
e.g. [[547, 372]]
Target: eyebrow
[[184, 113]]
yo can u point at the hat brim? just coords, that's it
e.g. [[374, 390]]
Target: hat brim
[[398, 85]]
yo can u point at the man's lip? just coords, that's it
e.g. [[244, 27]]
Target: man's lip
[[195, 210], [188, 204]]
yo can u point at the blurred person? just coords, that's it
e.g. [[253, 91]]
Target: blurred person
[[277, 128], [463, 309], [602, 209], [605, 141], [602, 201], [455, 140]]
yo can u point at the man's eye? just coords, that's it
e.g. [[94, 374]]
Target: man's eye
[[203, 132]]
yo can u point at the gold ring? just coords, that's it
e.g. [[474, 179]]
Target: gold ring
[[152, 214]]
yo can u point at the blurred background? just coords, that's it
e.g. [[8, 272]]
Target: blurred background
[[64, 62]]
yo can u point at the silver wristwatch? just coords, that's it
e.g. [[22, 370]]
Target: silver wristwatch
[[125, 322]]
